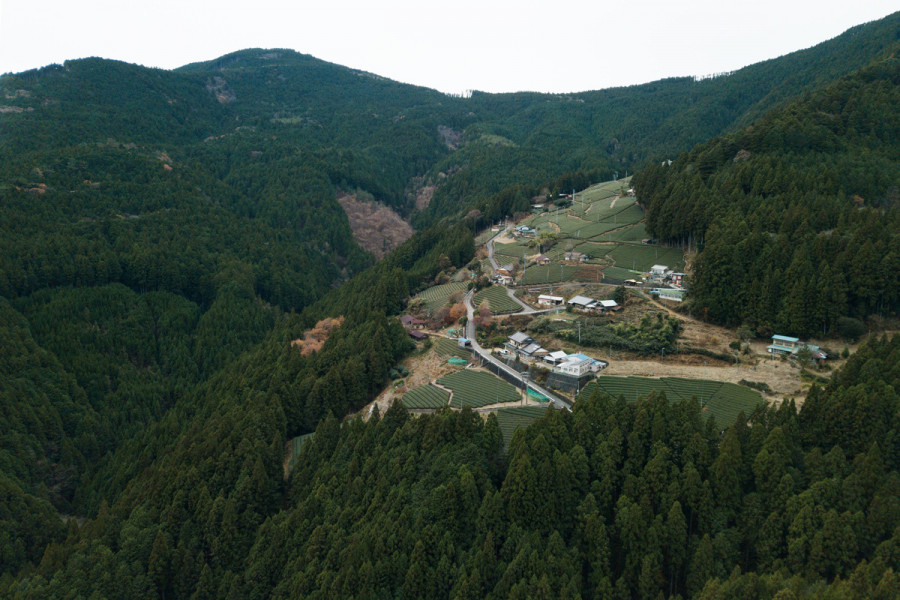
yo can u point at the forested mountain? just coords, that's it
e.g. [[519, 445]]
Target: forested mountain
[[166, 235], [797, 215]]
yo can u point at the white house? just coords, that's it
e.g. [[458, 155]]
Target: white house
[[658, 271], [577, 365]]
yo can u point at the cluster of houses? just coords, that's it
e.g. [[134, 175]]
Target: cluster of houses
[[523, 347], [589, 305], [783, 345], [503, 275], [573, 256], [663, 274], [580, 303]]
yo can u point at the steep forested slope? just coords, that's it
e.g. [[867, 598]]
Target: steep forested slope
[[797, 215], [164, 236], [612, 500]]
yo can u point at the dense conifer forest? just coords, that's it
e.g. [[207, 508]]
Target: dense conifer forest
[[797, 215], [166, 237]]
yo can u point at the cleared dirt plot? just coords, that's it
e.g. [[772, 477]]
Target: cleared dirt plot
[[718, 399], [437, 296], [641, 257], [498, 300], [510, 419], [548, 274], [427, 396], [477, 389]]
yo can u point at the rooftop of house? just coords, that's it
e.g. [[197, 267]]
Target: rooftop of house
[[582, 300], [519, 338], [785, 338]]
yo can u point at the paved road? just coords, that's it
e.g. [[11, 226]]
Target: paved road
[[490, 250], [470, 333]]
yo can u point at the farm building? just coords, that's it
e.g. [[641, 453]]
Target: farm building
[[611, 305], [547, 300], [505, 270], [542, 260], [668, 294], [575, 256], [464, 343], [581, 302], [417, 335], [554, 358], [410, 322]]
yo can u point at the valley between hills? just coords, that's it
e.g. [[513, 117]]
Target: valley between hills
[[272, 327]]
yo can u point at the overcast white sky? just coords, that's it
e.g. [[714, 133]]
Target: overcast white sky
[[496, 46]]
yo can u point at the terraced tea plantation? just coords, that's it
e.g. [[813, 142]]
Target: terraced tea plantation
[[641, 257], [718, 399], [609, 229], [477, 388], [437, 296], [548, 274], [514, 417], [426, 396], [447, 347], [498, 299]]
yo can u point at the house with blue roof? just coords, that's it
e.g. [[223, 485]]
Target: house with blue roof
[[783, 345]]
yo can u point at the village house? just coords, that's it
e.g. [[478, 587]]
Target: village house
[[783, 345], [417, 335], [410, 322], [523, 347], [659, 272], [574, 365], [575, 256], [541, 259], [677, 279]]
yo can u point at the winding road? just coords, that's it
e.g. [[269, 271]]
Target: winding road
[[481, 352]]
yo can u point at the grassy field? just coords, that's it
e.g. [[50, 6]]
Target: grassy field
[[427, 396], [512, 418], [477, 389], [724, 401], [437, 296], [498, 300]]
